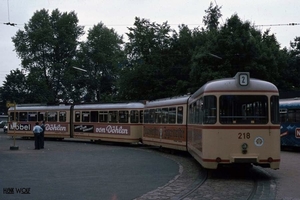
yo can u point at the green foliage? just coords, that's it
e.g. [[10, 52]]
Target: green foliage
[[47, 48], [101, 55]]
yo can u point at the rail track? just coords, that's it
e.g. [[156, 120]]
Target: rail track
[[195, 183]]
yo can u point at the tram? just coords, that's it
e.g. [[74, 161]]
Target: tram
[[57, 120], [225, 122], [290, 122], [235, 121], [120, 122]]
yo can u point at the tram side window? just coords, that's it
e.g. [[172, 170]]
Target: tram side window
[[12, 116], [152, 116], [297, 116], [32, 116], [103, 116], [294, 115], [275, 110], [210, 106], [77, 116], [123, 116], [172, 115], [62, 116], [113, 116], [52, 116], [134, 116], [180, 115], [23, 116], [141, 116], [94, 116], [283, 115], [165, 115], [191, 114], [42, 116], [146, 116], [85, 117], [158, 116]]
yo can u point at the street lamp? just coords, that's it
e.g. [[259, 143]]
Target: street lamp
[[80, 69]]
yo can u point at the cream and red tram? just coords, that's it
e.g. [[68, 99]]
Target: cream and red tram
[[22, 119], [118, 122], [235, 120], [165, 123]]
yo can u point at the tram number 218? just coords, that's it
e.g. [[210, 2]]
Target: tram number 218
[[243, 135]]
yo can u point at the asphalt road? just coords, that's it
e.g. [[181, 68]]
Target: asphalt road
[[80, 170]]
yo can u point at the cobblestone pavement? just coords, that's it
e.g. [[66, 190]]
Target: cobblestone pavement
[[282, 184]]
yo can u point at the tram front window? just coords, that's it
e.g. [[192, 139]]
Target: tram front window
[[243, 109]]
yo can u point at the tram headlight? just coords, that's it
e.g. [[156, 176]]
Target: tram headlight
[[244, 148]]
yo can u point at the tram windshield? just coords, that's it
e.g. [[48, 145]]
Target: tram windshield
[[243, 109]]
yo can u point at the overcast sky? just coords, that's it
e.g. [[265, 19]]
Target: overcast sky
[[120, 14]]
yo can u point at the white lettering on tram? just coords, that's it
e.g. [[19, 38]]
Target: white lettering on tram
[[113, 130], [55, 127], [21, 127]]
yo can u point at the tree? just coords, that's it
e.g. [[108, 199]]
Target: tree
[[15, 89], [101, 55], [149, 61], [290, 79], [211, 20], [47, 48], [237, 46]]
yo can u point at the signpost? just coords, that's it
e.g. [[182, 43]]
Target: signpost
[[14, 124]]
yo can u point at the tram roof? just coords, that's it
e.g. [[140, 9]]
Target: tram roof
[[289, 103], [167, 101], [40, 108], [136, 105], [228, 85]]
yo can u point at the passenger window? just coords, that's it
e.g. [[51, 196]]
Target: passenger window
[[123, 116], [94, 116], [134, 116], [146, 116], [180, 115], [42, 116], [158, 116], [77, 116], [103, 116], [165, 115], [52, 116], [85, 116], [172, 115], [112, 117], [62, 116], [23, 116], [32, 116], [141, 116]]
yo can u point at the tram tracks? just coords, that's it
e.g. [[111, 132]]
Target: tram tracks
[[196, 183]]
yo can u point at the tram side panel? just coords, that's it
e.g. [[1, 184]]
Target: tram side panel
[[108, 122], [165, 123], [290, 122], [23, 119]]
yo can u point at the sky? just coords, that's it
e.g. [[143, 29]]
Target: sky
[[120, 14]]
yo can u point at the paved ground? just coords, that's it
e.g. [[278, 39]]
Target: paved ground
[[83, 170], [288, 176], [77, 170]]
